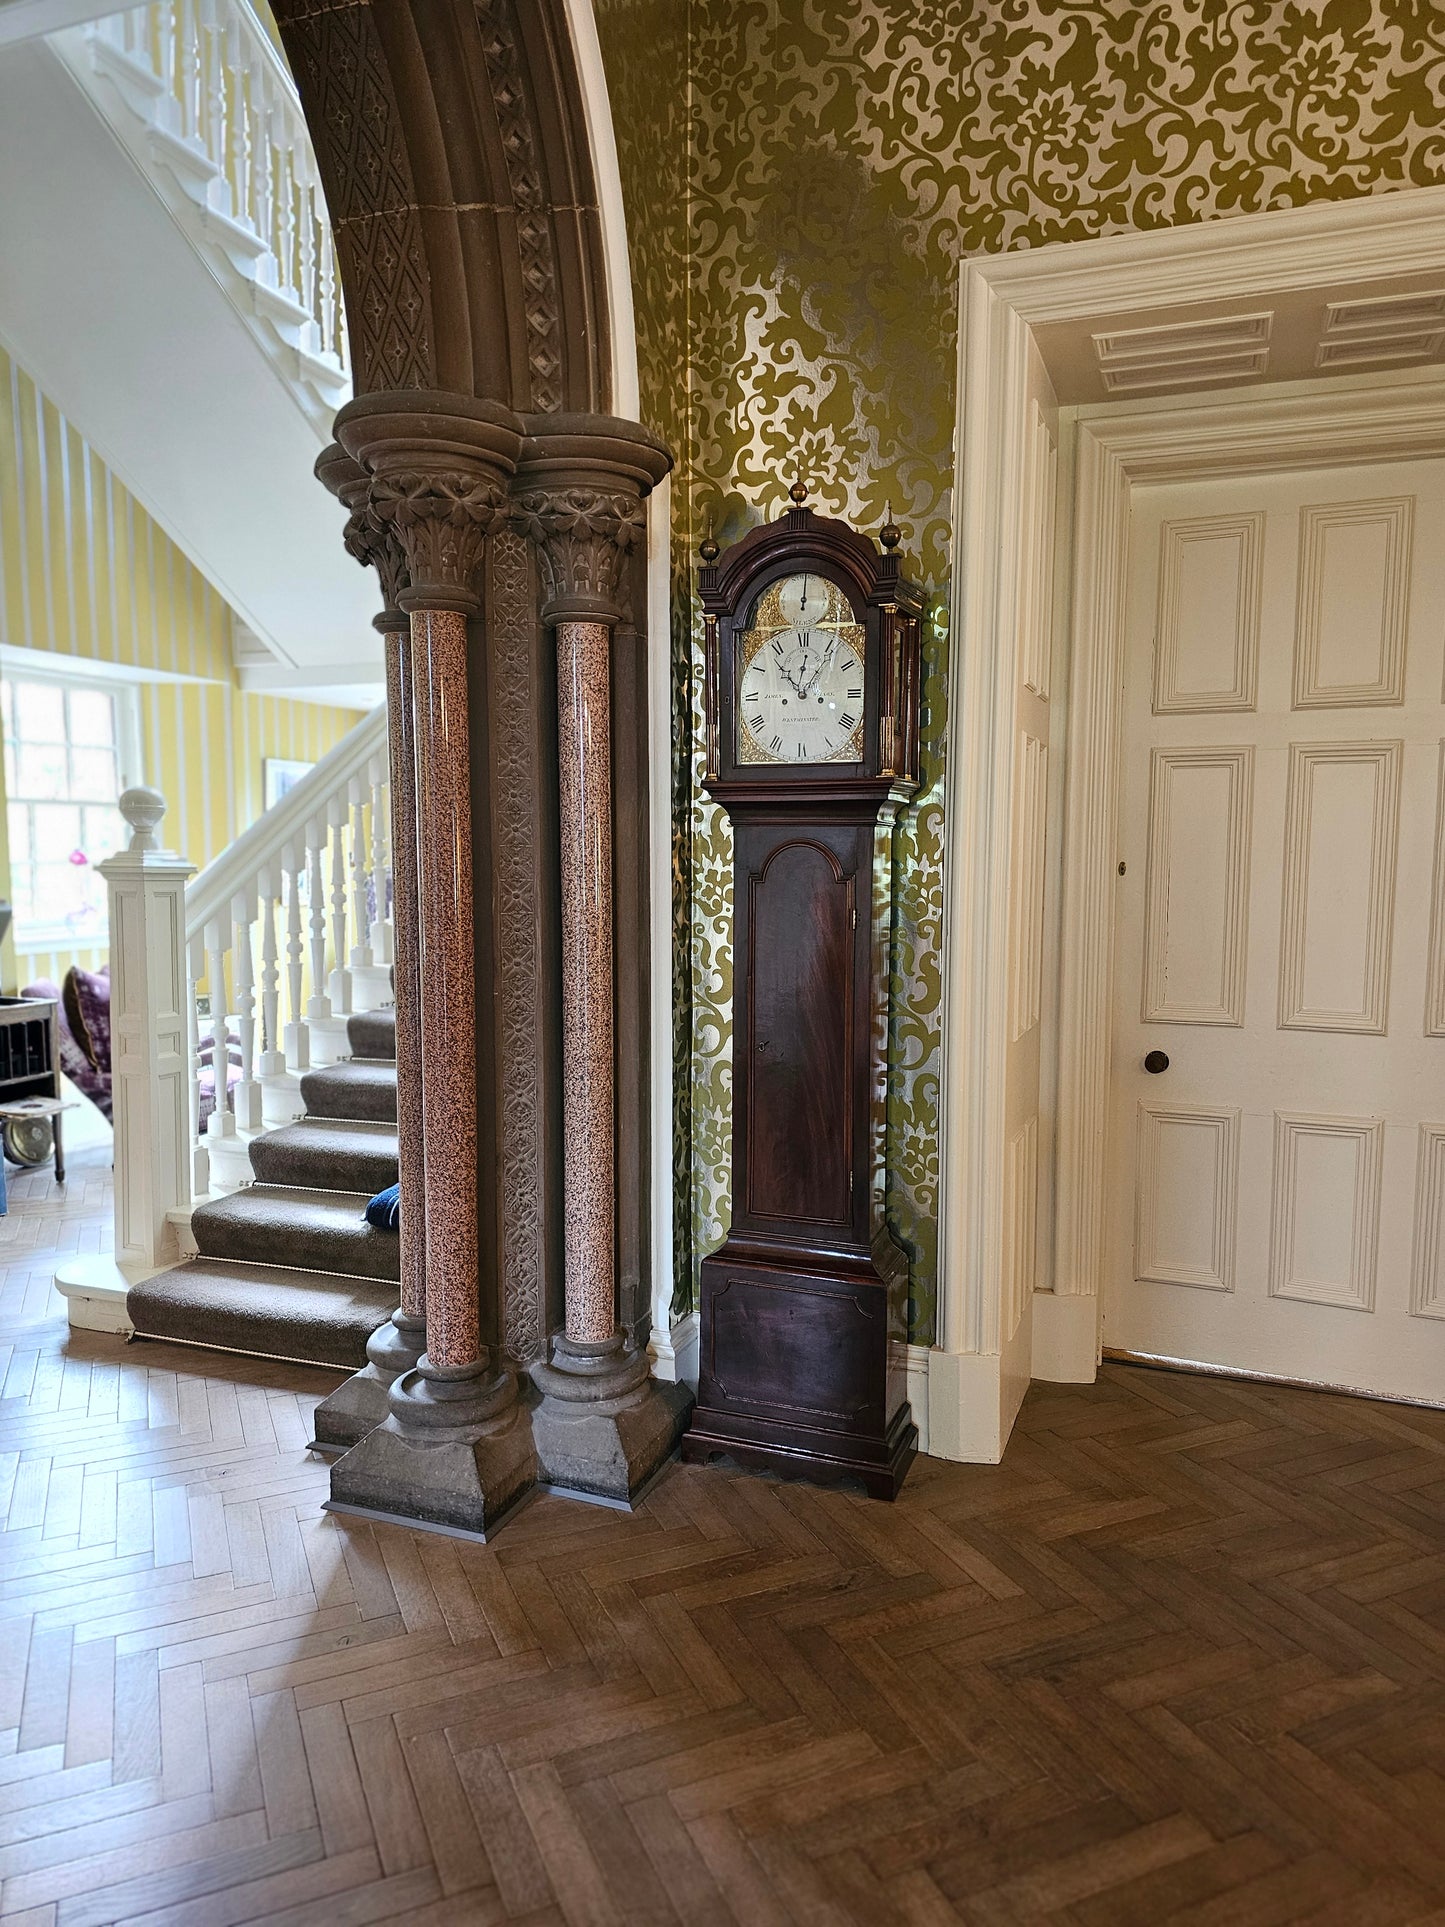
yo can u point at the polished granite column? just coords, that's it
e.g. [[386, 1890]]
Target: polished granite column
[[348, 1413], [604, 1425], [455, 1449]]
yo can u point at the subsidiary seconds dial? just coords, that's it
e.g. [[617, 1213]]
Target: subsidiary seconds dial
[[800, 694]]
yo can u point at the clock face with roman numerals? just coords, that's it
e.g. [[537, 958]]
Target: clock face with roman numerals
[[800, 686]]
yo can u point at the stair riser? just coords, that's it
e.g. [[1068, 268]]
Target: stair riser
[[259, 1240], [332, 1094], [322, 1171]]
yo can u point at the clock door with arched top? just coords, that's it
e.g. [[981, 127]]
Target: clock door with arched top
[[812, 695], [794, 1036]]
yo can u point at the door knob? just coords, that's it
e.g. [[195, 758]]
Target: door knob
[[1155, 1062]]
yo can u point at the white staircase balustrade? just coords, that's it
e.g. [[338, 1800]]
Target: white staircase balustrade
[[303, 875], [202, 102], [196, 976]]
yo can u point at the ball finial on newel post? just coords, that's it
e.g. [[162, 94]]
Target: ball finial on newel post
[[143, 809]]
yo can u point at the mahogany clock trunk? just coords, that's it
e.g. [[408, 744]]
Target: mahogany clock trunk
[[803, 1307]]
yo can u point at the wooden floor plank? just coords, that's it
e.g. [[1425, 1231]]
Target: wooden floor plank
[[1179, 1661]]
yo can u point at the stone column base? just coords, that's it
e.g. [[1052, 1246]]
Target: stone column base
[[454, 1453], [345, 1416], [604, 1427]]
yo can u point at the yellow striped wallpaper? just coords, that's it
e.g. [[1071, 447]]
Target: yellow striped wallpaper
[[85, 572]]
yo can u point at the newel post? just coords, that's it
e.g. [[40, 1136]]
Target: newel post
[[150, 1048]]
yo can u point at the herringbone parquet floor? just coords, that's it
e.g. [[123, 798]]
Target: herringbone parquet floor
[[1181, 1659]]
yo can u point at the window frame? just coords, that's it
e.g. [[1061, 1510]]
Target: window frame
[[124, 692]]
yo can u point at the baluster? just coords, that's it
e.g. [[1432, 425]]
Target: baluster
[[191, 83], [247, 1106], [283, 240], [300, 151], [329, 343], [169, 108], [382, 950], [200, 1156], [340, 985], [319, 1004], [298, 1036], [237, 129], [360, 907], [218, 132], [262, 172], [273, 1061], [222, 1122]]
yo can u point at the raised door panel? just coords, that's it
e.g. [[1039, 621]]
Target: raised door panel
[[1197, 889], [1435, 951], [1026, 888], [1326, 1216], [1427, 1283], [1206, 652], [1341, 828], [1021, 1187], [1186, 1196], [1354, 581], [799, 1040]]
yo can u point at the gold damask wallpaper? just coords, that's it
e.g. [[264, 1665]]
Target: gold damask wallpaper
[[802, 179]]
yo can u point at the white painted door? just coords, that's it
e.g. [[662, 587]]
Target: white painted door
[[1277, 1197]]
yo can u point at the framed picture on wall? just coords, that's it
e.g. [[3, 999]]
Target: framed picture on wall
[[279, 774]]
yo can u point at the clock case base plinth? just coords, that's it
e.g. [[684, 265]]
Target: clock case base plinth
[[802, 1371]]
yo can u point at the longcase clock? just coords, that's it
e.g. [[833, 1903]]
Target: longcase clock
[[812, 746]]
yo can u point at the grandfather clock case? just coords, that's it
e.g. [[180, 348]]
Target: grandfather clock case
[[812, 746]]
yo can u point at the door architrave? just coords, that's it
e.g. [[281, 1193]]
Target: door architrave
[[972, 1388]]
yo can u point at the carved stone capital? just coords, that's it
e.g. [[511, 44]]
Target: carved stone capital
[[439, 519], [578, 496], [583, 536], [372, 545], [437, 467]]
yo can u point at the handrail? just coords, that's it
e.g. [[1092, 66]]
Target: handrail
[[234, 872]]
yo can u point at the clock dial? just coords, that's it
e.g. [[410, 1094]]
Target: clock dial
[[800, 691]]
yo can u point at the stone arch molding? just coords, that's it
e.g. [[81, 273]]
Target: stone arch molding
[[452, 142]]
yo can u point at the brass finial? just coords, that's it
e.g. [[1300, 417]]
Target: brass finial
[[709, 550], [890, 535], [799, 493]]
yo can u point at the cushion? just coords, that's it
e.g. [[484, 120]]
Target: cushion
[[86, 997], [90, 1082], [384, 1211]]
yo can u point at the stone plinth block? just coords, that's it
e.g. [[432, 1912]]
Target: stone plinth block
[[604, 1427], [345, 1416], [454, 1453]]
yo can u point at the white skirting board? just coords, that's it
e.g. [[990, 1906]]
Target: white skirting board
[[674, 1352], [965, 1403], [1066, 1337]]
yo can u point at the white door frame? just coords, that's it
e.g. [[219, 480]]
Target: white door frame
[[1002, 300]]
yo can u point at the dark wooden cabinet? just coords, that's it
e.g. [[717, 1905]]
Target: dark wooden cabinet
[[803, 1307]]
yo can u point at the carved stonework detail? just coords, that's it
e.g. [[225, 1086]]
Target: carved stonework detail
[[352, 112], [511, 623], [584, 536], [534, 224], [441, 519], [376, 546]]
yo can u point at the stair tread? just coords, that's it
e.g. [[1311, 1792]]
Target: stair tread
[[271, 1224], [263, 1310], [328, 1154], [358, 1088]]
